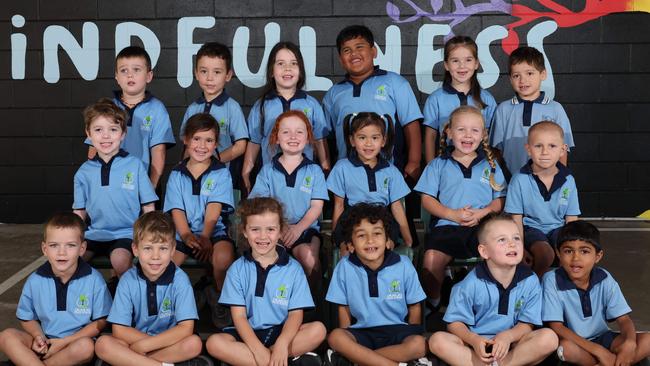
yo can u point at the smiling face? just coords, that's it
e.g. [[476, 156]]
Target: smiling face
[[545, 148], [292, 135], [286, 70], [368, 142], [578, 258], [62, 247], [502, 244], [263, 232], [212, 74], [526, 80], [132, 75], [369, 242], [461, 64], [356, 56], [106, 136], [466, 131], [201, 145], [154, 256]]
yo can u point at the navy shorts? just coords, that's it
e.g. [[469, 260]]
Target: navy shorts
[[454, 240], [181, 247], [384, 336], [606, 339], [532, 235], [267, 336], [105, 248], [306, 237]]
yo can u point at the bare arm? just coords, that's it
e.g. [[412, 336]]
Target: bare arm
[[568, 219], [81, 213], [91, 152], [435, 208], [148, 207], [626, 351], [165, 339], [415, 313], [339, 205], [252, 150], [158, 153], [519, 220], [247, 334], [345, 318], [430, 135], [212, 213], [90, 330], [565, 333], [127, 334], [398, 212], [322, 152], [280, 350], [503, 340], [413, 139], [477, 342], [234, 151], [564, 159]]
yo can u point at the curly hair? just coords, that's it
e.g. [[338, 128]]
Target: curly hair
[[368, 211]]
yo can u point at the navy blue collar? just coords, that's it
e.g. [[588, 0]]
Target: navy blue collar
[[558, 180], [121, 153], [382, 163], [300, 94], [375, 72], [165, 278], [105, 171], [521, 273], [118, 97], [466, 170], [181, 167], [564, 283], [390, 258], [290, 179], [83, 269], [462, 97], [541, 99], [283, 257], [526, 118], [219, 100]]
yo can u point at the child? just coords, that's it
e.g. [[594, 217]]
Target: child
[[149, 127], [299, 184], [492, 311], [580, 299], [460, 187], [57, 331], [460, 87], [267, 291], [285, 78], [378, 288], [213, 71], [111, 188], [367, 176], [514, 117], [199, 189], [153, 312], [369, 88], [543, 195]]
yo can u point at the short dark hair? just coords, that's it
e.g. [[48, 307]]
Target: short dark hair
[[157, 224], [369, 211], [201, 122], [529, 55], [484, 225], [65, 220], [134, 51], [215, 49], [354, 31], [579, 230], [104, 107]]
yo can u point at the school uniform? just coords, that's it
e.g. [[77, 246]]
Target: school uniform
[[274, 105], [543, 209], [446, 99], [268, 294], [383, 92], [193, 195], [153, 307], [585, 312], [62, 309], [513, 118], [456, 186], [377, 299], [112, 194], [487, 308]]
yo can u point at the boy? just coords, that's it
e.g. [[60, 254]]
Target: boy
[[493, 310], [580, 299], [149, 127], [63, 304], [514, 117], [213, 71], [378, 288], [543, 195], [111, 188], [153, 312]]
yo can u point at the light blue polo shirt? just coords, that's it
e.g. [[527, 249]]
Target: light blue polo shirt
[[383, 92], [585, 312], [112, 194], [192, 195], [64, 308], [445, 100], [295, 191], [147, 125], [457, 186], [229, 116], [356, 182], [267, 294], [274, 105], [376, 298], [153, 307], [543, 209], [481, 303], [513, 118]]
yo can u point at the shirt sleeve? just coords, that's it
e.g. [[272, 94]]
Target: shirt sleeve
[[514, 200], [162, 129], [336, 180], [184, 304], [224, 191], [337, 291], [429, 182], [531, 309], [25, 310], [398, 187], [300, 294], [238, 127], [186, 116], [122, 309], [233, 292], [145, 189], [318, 121], [101, 298], [319, 189], [563, 121], [254, 124], [431, 113], [460, 306], [414, 291], [262, 187], [616, 306], [552, 310], [79, 201], [88, 142], [573, 206], [406, 104], [500, 179], [173, 193], [490, 108], [328, 110], [497, 133]]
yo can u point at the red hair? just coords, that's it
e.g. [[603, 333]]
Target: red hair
[[273, 137]]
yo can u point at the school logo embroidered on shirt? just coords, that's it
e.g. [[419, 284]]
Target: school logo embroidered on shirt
[[128, 182], [381, 94], [146, 123], [82, 306], [519, 304], [223, 125], [306, 184], [564, 197], [548, 118], [208, 187], [281, 294], [306, 111], [165, 308], [485, 176], [385, 184], [394, 291]]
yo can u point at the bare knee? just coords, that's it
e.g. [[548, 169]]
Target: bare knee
[[222, 255], [121, 260], [416, 345], [438, 342], [338, 336], [191, 346], [83, 349], [317, 331], [216, 343], [546, 340], [102, 346], [570, 350]]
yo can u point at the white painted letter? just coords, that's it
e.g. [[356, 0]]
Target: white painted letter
[[535, 39], [392, 59], [18, 49], [490, 73], [85, 58], [187, 48], [240, 54], [124, 32], [307, 39], [427, 57]]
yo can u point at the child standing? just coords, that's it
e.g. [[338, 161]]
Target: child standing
[[56, 331], [285, 78], [514, 117], [153, 312], [460, 87], [543, 195], [367, 174], [149, 127], [492, 311], [199, 189], [581, 298], [378, 288], [267, 291], [111, 188], [460, 187], [299, 184]]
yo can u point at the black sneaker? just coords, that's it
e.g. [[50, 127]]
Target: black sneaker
[[422, 361], [335, 359], [307, 359], [196, 361]]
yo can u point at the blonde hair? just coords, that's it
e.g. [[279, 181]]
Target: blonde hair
[[155, 224]]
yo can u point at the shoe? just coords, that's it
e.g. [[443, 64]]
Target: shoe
[[307, 359], [196, 361], [422, 361], [335, 359], [112, 285], [220, 314]]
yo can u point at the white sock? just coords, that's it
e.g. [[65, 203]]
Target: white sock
[[167, 364], [402, 364]]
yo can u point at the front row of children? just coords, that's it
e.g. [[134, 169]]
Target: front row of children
[[494, 316]]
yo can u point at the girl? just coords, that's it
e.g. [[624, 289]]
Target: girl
[[198, 190], [460, 87], [267, 315], [285, 78], [299, 184], [367, 175], [459, 187]]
